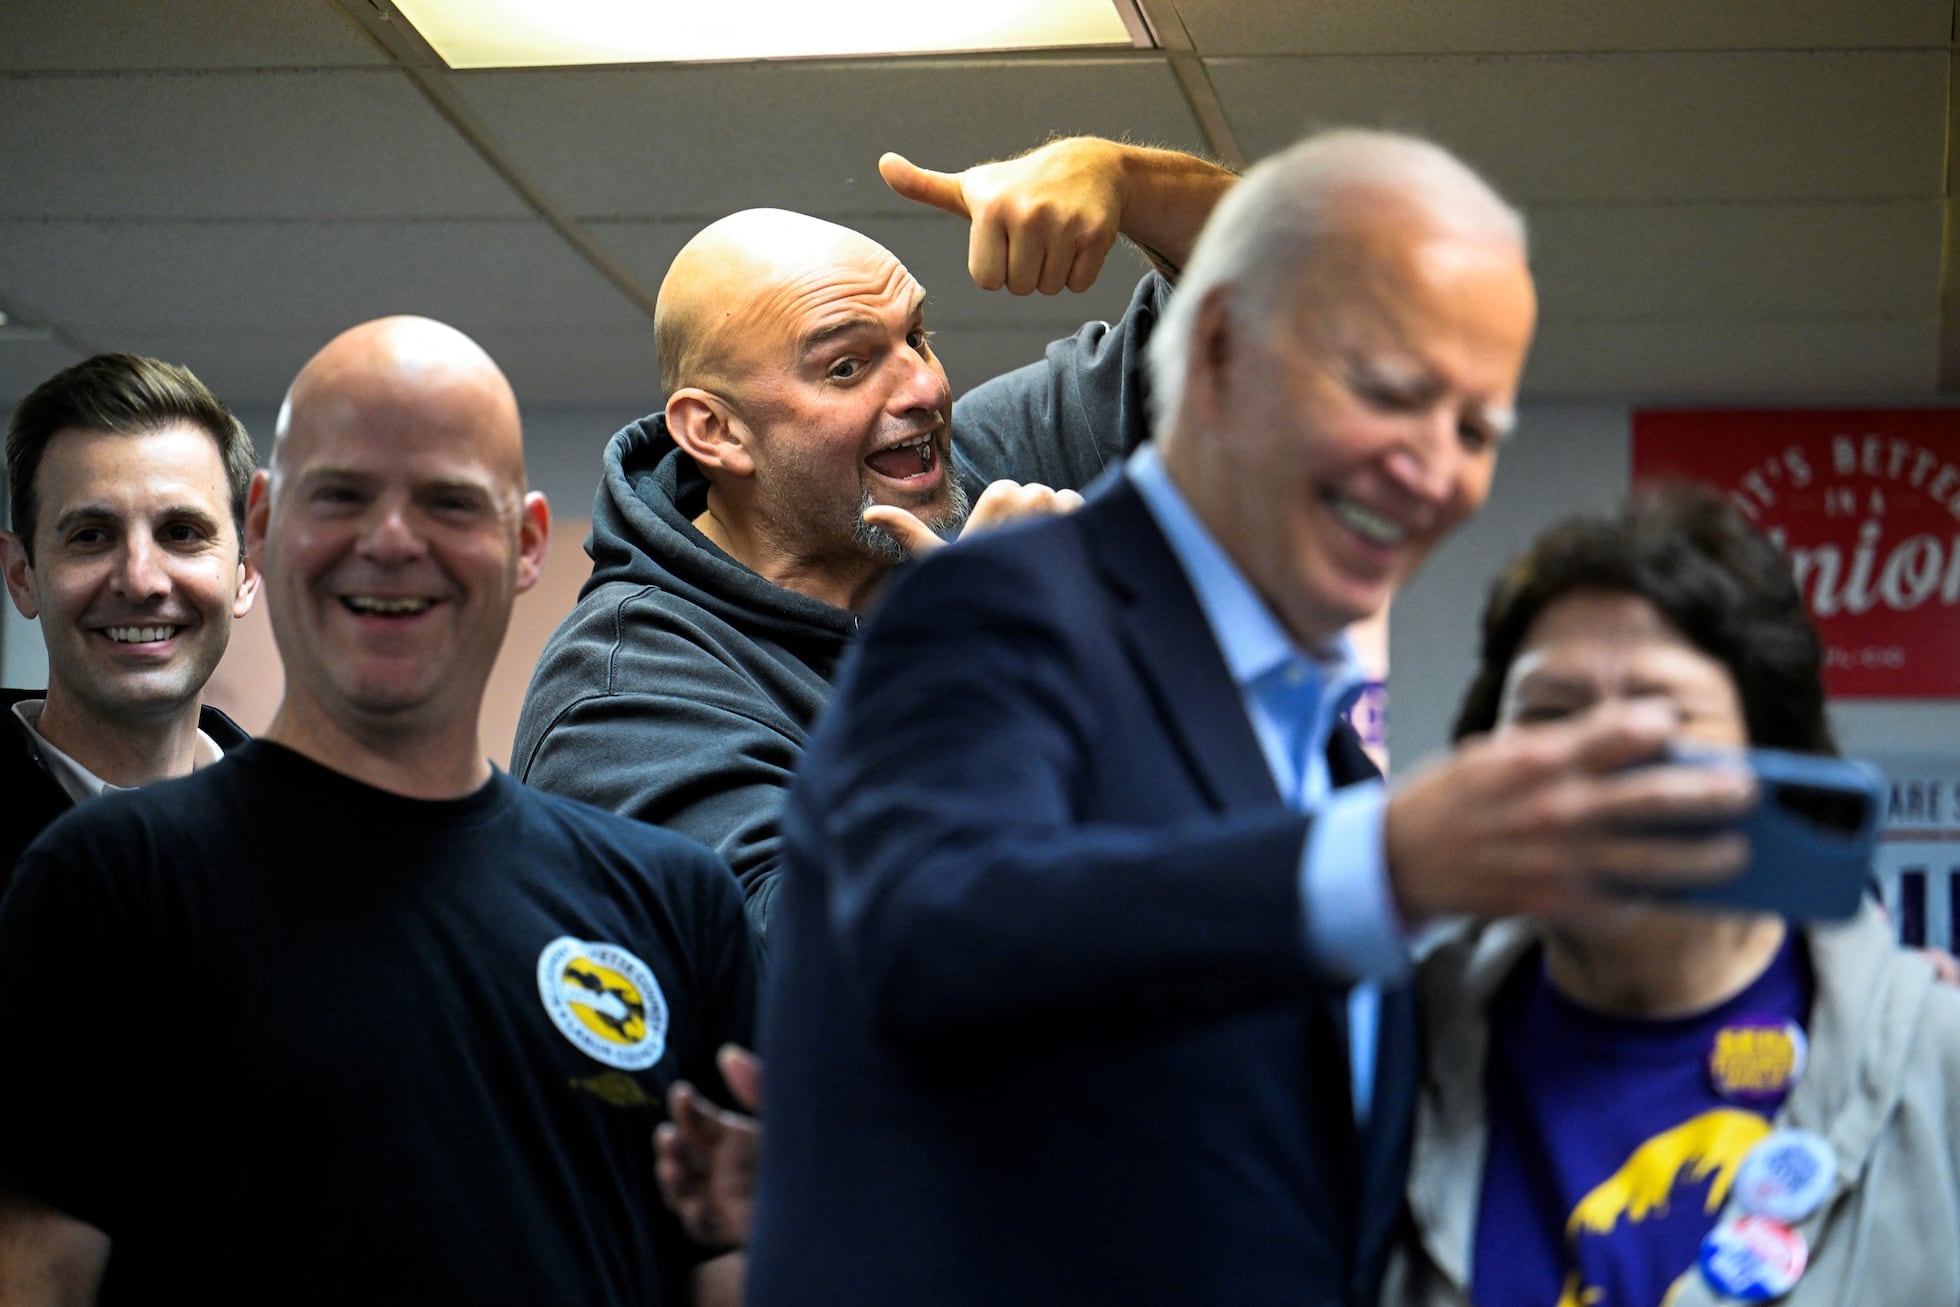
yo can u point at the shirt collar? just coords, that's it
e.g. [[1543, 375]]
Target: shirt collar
[[76, 780], [1255, 646]]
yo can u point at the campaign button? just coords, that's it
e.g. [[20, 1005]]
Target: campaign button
[[1753, 1259], [1787, 1176], [1756, 1060]]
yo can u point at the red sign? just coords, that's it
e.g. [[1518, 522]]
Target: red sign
[[1867, 505]]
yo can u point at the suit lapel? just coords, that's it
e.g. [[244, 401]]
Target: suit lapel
[[1168, 636]]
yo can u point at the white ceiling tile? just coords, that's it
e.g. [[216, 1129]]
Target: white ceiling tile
[[701, 141], [1735, 362], [932, 246], [128, 34], [1480, 26], [349, 143], [1738, 262], [1629, 127], [227, 286]]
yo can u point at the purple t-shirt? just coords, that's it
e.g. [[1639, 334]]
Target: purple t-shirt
[[1611, 1150]]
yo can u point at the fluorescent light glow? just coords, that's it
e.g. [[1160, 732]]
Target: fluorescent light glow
[[539, 33]]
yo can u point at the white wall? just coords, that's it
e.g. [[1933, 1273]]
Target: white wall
[[1564, 460]]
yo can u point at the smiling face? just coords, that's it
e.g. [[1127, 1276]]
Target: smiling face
[[395, 531], [136, 578], [809, 369], [845, 402], [1336, 446]]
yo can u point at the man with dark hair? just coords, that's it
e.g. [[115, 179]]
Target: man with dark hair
[[808, 442], [1676, 1106], [351, 1015], [127, 479]]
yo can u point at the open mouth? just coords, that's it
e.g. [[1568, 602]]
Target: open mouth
[[1366, 522], [386, 605], [914, 458], [140, 634]]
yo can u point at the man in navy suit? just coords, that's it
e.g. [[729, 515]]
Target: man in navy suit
[[1083, 863]]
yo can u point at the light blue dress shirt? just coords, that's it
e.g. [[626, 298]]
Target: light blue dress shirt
[[1293, 699]]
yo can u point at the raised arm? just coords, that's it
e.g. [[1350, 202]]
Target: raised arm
[[1046, 219]]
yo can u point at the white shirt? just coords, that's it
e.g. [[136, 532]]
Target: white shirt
[[77, 781]]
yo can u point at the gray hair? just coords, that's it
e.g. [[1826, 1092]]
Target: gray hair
[[1276, 218]]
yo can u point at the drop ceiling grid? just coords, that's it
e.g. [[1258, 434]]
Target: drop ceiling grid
[[182, 34], [1649, 128], [230, 181], [297, 145], [253, 276], [699, 142]]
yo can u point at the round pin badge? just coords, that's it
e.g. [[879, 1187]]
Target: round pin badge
[[1787, 1176], [1757, 1059], [1753, 1259]]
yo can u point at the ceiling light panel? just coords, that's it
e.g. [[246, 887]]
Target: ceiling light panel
[[555, 33]]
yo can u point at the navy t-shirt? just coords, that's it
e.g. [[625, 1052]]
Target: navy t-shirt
[[1611, 1150], [288, 1038]]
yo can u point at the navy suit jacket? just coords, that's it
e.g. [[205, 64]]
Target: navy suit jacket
[[1042, 1027]]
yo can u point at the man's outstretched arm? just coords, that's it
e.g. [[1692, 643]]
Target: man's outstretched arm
[[1046, 219]]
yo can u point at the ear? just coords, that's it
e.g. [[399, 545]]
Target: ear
[[20, 575], [709, 432], [533, 531], [1216, 343], [248, 587], [258, 509]]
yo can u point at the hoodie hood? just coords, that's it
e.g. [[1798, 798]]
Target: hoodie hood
[[643, 533]]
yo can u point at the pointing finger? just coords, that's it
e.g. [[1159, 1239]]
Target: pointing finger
[[938, 189]]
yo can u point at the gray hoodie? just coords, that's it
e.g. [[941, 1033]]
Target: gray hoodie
[[682, 688]]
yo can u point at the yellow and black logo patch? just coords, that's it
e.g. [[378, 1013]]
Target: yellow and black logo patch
[[605, 1000]]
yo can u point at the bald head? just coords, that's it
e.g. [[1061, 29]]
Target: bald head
[[404, 369], [735, 275]]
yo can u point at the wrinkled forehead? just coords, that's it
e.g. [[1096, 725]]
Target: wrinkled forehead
[[816, 301], [788, 277]]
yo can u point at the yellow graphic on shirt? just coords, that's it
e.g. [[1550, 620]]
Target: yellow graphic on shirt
[[1755, 1059], [605, 1001], [1710, 1145], [1713, 1143], [1577, 1294]]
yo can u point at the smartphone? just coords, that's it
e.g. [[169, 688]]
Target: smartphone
[[1812, 835]]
